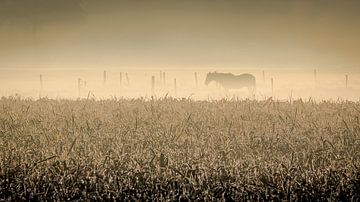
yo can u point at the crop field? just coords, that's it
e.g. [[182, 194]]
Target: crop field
[[171, 149]]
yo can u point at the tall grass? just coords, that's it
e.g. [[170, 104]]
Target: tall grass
[[179, 149]]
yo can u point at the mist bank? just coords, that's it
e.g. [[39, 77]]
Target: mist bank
[[179, 34]]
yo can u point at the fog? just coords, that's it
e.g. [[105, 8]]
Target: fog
[[288, 84], [71, 39]]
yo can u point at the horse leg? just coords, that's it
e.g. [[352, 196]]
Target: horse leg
[[226, 90], [252, 90]]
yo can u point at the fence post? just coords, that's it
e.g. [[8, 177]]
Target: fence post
[[120, 79], [196, 80], [127, 78], [104, 78], [164, 81], [175, 87], [272, 86], [79, 87], [263, 75], [153, 85], [346, 80], [41, 86], [315, 76]]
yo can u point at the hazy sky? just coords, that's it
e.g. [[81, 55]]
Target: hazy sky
[[180, 33]]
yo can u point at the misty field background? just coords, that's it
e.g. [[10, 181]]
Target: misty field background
[[179, 149], [288, 83]]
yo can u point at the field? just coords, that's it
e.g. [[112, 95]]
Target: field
[[179, 149]]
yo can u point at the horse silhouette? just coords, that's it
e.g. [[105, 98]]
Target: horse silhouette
[[230, 81]]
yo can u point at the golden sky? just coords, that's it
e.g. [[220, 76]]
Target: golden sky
[[180, 33]]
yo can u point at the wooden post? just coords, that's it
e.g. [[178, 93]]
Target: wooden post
[[79, 87], [164, 81], [346, 80], [104, 78], [196, 80], [272, 86], [315, 75], [120, 79], [263, 75], [153, 85], [127, 78], [175, 87], [41, 86]]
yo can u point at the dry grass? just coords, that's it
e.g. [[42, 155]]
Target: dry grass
[[170, 149]]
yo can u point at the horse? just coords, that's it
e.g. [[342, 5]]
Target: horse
[[230, 81]]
